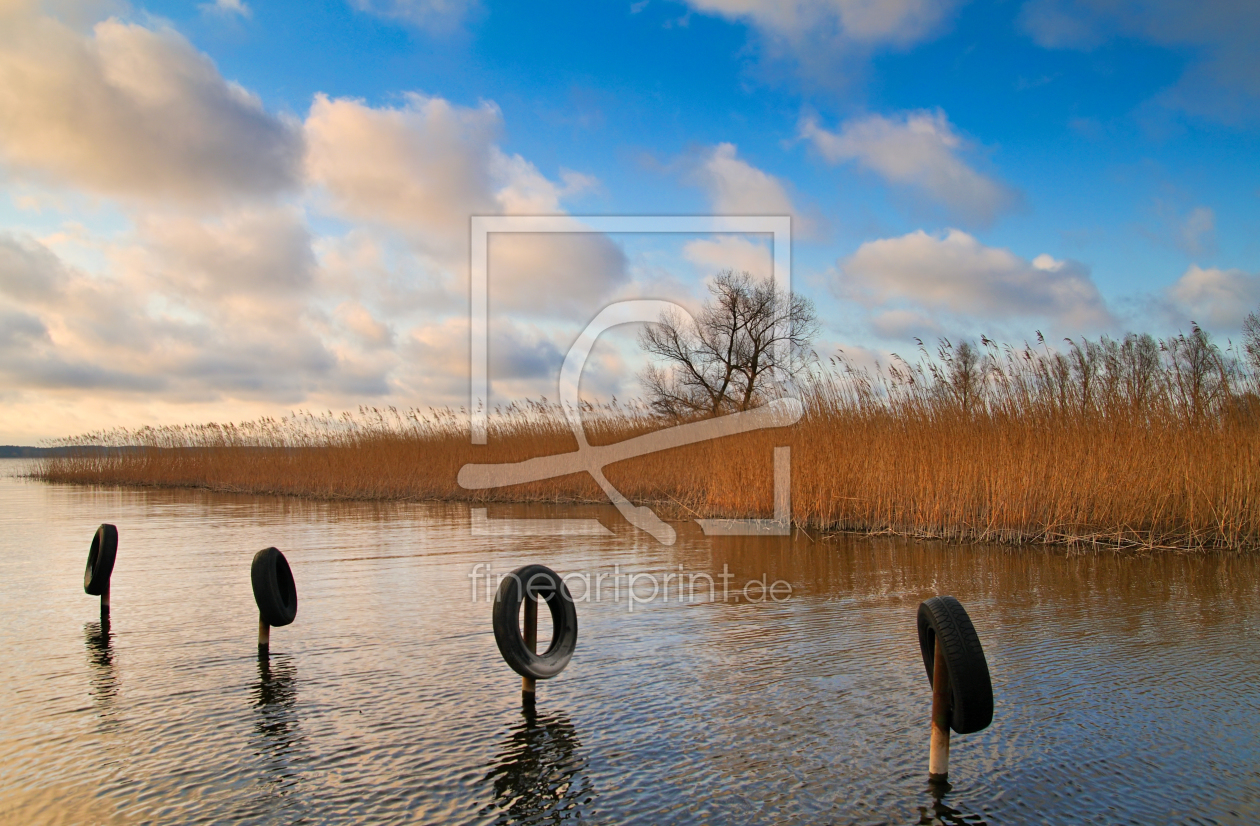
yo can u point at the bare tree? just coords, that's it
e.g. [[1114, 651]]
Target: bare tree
[[1140, 373], [723, 361], [1251, 341], [961, 373]]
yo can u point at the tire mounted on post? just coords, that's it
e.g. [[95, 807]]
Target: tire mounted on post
[[943, 621], [274, 588], [100, 561], [539, 581]]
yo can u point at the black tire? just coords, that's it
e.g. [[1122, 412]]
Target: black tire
[[944, 620], [100, 561], [543, 582], [274, 588]]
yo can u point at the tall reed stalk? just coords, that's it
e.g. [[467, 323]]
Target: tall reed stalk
[[1137, 443]]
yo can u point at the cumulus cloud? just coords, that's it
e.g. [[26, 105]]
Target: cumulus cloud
[[240, 309], [1216, 298], [135, 112], [1222, 81], [828, 42], [424, 167], [904, 325], [556, 275], [437, 16], [957, 275], [1197, 232], [917, 149], [730, 252], [360, 321], [262, 255], [228, 8], [194, 312], [29, 271], [524, 360], [38, 294], [867, 22], [235, 304], [376, 268], [736, 187], [526, 191]]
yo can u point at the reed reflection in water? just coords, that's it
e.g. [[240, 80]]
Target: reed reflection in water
[[1128, 687], [539, 774]]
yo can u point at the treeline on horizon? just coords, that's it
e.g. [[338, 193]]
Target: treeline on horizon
[[1132, 442], [29, 452]]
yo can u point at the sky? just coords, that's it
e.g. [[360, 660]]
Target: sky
[[223, 210]]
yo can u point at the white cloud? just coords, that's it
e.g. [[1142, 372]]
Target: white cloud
[[729, 252], [526, 191], [1221, 81], [437, 16], [134, 112], [524, 361], [236, 308], [553, 275], [29, 271], [239, 309], [228, 8], [1218, 299], [867, 22], [916, 149], [191, 312], [903, 325], [957, 275], [359, 320], [378, 269], [1197, 232], [261, 256], [425, 167], [736, 187]]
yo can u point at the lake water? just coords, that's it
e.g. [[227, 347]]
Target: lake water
[[1127, 688]]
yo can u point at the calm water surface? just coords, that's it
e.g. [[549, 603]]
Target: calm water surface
[[1128, 689]]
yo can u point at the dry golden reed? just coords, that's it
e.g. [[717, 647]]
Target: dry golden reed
[[1133, 443]]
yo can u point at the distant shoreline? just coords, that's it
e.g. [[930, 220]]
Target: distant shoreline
[[1136, 444], [25, 452], [1087, 484]]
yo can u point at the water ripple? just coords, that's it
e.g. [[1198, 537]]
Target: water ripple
[[1127, 689]]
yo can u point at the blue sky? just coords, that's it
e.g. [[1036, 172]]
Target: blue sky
[[220, 211]]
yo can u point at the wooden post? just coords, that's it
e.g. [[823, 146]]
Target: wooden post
[[531, 642], [938, 757], [105, 601], [264, 635]]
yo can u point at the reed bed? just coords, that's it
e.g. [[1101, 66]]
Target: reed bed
[[1132, 443]]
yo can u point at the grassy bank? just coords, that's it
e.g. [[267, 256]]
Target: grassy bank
[[1137, 443]]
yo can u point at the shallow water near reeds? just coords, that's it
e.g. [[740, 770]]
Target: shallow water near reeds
[[1128, 688]]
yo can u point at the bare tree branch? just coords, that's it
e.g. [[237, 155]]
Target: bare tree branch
[[747, 333]]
